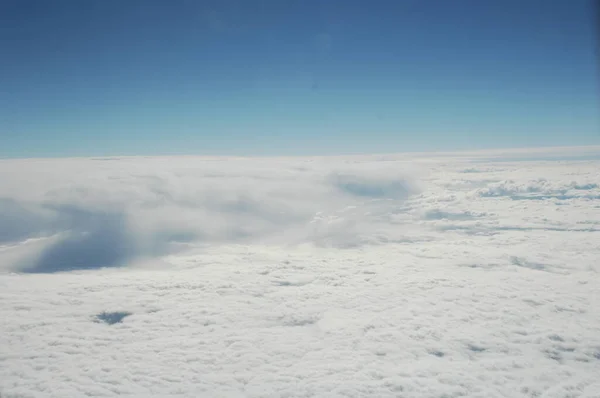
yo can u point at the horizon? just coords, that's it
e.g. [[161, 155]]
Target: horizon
[[573, 150]]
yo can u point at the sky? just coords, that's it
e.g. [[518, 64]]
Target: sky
[[294, 77]]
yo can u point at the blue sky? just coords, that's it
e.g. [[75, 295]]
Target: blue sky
[[147, 77]]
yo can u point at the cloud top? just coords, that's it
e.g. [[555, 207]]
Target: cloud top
[[60, 215]]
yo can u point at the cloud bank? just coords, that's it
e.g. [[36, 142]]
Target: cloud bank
[[83, 213]]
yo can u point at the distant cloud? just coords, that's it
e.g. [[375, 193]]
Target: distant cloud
[[542, 189]]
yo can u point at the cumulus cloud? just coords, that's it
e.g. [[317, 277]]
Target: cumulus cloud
[[377, 276]]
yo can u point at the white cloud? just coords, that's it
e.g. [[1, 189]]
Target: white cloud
[[110, 212], [365, 276], [542, 189]]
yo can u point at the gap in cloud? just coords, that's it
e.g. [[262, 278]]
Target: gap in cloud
[[112, 318]]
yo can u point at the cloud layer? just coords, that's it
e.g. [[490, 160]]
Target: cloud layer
[[81, 214], [377, 276]]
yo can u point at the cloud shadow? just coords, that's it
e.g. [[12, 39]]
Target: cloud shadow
[[372, 187], [95, 240]]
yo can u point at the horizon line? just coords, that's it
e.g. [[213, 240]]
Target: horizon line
[[520, 149]]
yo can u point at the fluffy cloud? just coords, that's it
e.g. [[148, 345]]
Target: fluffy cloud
[[80, 214], [378, 276]]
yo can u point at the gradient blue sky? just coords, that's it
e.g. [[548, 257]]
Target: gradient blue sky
[[249, 77]]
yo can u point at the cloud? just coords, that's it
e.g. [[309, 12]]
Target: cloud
[[311, 277], [19, 221], [107, 214], [541, 189]]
